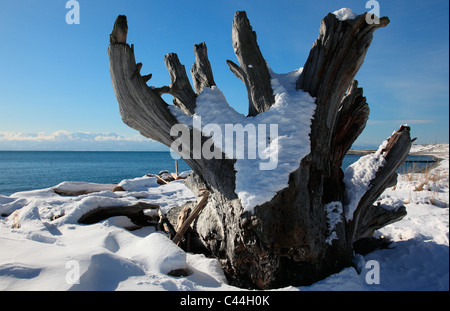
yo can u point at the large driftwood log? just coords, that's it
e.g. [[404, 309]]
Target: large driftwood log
[[134, 212], [286, 241]]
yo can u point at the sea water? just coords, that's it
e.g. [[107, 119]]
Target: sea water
[[31, 170]]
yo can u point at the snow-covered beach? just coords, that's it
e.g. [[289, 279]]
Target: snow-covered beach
[[43, 247]]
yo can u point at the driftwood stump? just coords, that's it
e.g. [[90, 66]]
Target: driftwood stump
[[287, 240]]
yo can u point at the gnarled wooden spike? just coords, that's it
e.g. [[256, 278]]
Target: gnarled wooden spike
[[180, 89], [140, 106], [367, 217], [120, 31], [253, 70], [333, 62], [201, 71]]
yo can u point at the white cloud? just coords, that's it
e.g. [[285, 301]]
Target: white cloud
[[62, 135], [65, 140]]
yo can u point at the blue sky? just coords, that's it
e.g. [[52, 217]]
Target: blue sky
[[56, 93]]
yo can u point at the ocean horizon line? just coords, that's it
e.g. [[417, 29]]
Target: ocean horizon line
[[358, 149], [44, 150]]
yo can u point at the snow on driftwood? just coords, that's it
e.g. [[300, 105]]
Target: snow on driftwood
[[358, 176], [259, 178], [344, 14]]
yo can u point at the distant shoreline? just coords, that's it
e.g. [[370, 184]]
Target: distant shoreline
[[361, 152], [431, 152], [437, 158]]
